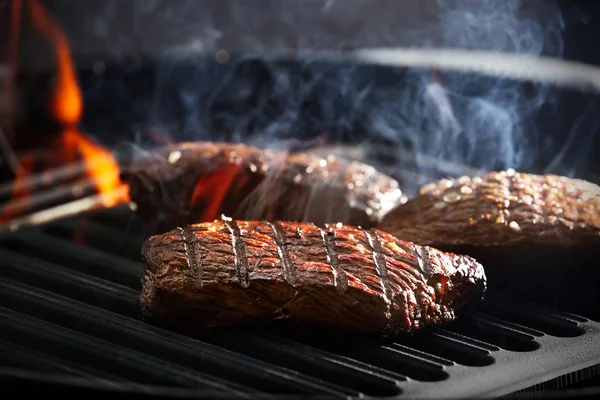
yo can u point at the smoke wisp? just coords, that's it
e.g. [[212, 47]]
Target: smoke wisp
[[481, 121]]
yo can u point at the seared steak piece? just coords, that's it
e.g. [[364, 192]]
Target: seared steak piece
[[537, 236], [197, 182], [338, 277], [500, 209]]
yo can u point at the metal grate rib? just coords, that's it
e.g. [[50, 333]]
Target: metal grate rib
[[73, 308]]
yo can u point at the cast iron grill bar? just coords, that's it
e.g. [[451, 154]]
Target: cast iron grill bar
[[450, 348], [405, 363], [83, 258], [24, 357], [304, 358], [157, 342], [63, 174], [388, 384], [80, 286], [454, 336], [513, 327], [133, 365], [106, 240], [33, 382], [51, 197], [50, 275], [33, 240], [496, 333], [92, 290], [542, 320]]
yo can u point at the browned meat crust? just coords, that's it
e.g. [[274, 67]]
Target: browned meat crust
[[502, 209], [537, 236], [341, 278], [197, 182]]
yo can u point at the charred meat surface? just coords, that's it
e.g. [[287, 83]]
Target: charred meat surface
[[504, 208], [338, 277], [537, 236], [197, 182]]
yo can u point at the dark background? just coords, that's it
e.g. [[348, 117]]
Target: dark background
[[582, 31], [127, 27], [148, 73]]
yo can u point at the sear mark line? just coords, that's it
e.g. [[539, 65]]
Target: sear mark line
[[282, 250], [192, 256], [239, 253], [423, 260], [340, 278], [380, 264]]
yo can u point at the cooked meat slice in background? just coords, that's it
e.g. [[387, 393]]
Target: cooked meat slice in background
[[197, 182], [335, 278], [536, 235], [500, 209]]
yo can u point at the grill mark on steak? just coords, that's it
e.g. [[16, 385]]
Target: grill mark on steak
[[257, 184], [192, 256], [422, 257], [380, 265], [239, 253], [500, 210], [284, 256], [184, 237], [538, 236], [340, 277], [374, 263]]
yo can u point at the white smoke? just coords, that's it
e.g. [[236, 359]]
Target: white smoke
[[465, 118]]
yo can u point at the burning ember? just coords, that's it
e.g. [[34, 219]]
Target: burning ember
[[66, 107]]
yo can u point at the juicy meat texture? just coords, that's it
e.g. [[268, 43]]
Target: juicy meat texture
[[197, 182], [338, 277], [501, 209]]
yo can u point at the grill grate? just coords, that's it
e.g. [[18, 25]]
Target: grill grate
[[73, 308]]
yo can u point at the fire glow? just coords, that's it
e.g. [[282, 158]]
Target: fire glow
[[213, 188], [66, 108]]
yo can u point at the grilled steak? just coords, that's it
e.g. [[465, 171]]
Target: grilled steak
[[337, 277], [538, 236], [501, 209], [197, 182]]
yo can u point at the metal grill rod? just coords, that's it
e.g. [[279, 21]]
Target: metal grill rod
[[79, 206]]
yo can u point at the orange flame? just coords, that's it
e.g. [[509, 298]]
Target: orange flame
[[66, 107], [100, 165], [66, 103], [211, 189]]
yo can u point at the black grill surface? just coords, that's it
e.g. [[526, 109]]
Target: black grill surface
[[69, 306]]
